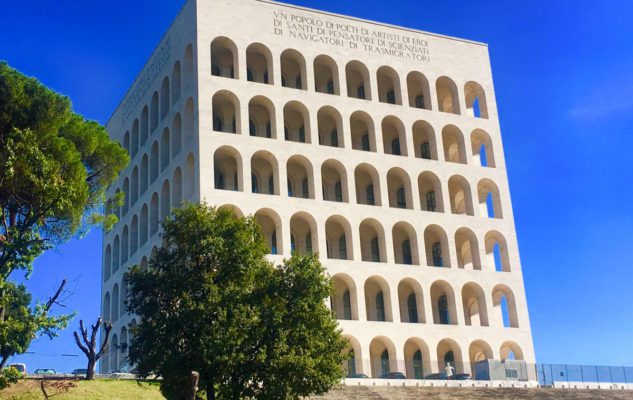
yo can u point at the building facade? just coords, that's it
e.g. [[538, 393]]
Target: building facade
[[375, 146]]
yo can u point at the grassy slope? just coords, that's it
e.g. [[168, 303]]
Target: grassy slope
[[97, 390]]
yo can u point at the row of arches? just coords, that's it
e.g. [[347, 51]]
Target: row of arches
[[409, 303], [396, 189], [115, 359], [356, 81], [145, 225], [262, 122], [162, 101], [416, 359], [338, 238], [148, 168]]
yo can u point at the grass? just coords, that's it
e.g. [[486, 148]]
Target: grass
[[102, 389]]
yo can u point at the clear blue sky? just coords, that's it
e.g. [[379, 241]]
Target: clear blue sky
[[563, 74]]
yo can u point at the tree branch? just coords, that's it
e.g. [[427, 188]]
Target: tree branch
[[53, 299]]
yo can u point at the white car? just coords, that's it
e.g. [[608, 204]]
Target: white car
[[20, 367]]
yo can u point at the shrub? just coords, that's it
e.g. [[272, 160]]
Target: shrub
[[9, 376]]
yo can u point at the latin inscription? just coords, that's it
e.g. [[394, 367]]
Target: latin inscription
[[146, 79], [350, 36]]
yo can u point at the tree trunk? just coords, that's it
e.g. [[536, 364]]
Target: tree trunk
[[3, 362], [210, 391], [193, 385], [90, 373]]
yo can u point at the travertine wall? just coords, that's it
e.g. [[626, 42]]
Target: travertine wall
[[211, 136]]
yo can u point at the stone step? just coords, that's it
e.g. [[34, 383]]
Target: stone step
[[429, 393]]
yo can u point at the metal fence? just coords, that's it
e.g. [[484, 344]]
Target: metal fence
[[550, 373]]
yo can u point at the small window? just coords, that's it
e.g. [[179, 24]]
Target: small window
[[271, 185], [418, 369], [249, 75], [215, 70], [401, 200], [391, 97], [298, 83], [395, 147], [406, 252], [360, 93], [218, 126], [286, 133], [371, 200], [266, 77], [219, 182], [305, 189], [292, 244], [442, 306], [309, 243], [419, 102], [338, 192], [283, 81], [289, 188], [252, 129], [375, 250], [430, 201], [342, 248], [365, 142], [512, 374], [347, 306], [254, 184], [273, 243], [412, 308], [235, 182], [436, 250], [380, 307], [334, 138], [330, 87], [302, 135], [425, 150], [269, 132]]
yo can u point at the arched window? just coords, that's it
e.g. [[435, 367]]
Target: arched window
[[223, 58], [357, 80], [325, 75], [292, 69], [419, 93]]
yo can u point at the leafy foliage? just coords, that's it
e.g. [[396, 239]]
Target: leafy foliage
[[9, 376], [54, 166], [54, 169], [211, 302]]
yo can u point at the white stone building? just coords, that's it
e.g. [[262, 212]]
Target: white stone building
[[376, 146]]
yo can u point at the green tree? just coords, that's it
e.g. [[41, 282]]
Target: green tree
[[211, 302], [54, 169]]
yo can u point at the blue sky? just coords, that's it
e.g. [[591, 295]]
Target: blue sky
[[563, 73]]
